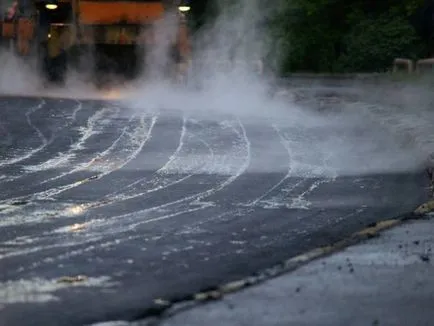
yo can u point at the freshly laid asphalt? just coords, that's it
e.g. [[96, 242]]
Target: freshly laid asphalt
[[161, 205]]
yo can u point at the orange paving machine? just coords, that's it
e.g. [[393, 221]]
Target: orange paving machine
[[101, 36]]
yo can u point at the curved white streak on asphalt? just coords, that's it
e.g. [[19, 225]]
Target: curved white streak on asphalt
[[92, 125], [138, 137], [116, 197], [178, 149], [94, 244], [43, 216], [63, 244], [88, 132], [300, 201], [94, 225], [280, 182], [175, 167], [60, 159], [143, 134], [162, 172], [11, 215], [296, 202], [195, 199], [44, 141], [121, 195], [123, 151], [113, 195], [77, 109]]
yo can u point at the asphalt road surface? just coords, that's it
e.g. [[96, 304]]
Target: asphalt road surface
[[163, 204]]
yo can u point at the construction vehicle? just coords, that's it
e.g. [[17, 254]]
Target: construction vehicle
[[98, 36]]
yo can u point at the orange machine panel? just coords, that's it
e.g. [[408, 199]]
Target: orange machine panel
[[113, 12], [25, 28], [8, 30]]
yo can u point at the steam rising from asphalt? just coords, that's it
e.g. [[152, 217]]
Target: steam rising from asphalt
[[158, 57], [224, 76], [19, 77], [224, 82], [16, 77]]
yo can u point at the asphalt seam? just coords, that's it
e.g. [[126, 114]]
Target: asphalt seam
[[163, 309]]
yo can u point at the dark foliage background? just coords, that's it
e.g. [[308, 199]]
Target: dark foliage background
[[339, 35]]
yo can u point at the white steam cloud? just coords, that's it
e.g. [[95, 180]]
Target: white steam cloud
[[224, 80]]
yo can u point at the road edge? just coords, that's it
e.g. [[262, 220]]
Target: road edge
[[164, 309]]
